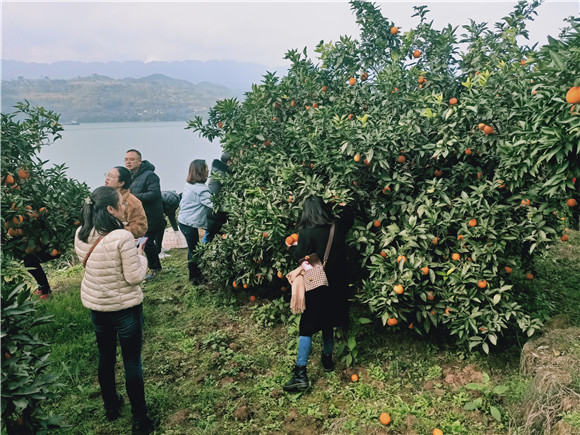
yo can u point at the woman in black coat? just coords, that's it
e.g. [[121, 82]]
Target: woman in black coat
[[326, 306]]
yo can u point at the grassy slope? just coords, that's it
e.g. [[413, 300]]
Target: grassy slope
[[211, 367]]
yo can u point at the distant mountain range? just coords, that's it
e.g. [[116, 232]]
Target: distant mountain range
[[98, 98], [127, 91], [234, 75]]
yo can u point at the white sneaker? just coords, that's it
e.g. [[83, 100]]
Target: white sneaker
[[163, 255]]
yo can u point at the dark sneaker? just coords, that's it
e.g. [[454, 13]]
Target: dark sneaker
[[327, 363], [145, 426], [152, 274]]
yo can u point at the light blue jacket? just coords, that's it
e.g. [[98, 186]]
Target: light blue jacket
[[195, 205]]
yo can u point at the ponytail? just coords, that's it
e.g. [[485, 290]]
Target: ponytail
[[95, 214]]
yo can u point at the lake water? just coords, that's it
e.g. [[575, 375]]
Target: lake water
[[90, 150]]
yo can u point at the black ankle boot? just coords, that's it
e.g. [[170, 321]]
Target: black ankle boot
[[145, 426], [327, 363], [114, 413], [298, 381]]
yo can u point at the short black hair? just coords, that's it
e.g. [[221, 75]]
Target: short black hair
[[134, 151], [124, 176]]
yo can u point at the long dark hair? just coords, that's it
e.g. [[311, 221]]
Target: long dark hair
[[197, 172], [95, 214], [124, 176], [315, 212]]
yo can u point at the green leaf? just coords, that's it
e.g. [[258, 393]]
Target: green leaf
[[495, 413]]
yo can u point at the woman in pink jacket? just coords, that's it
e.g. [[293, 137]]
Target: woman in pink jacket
[[114, 268]]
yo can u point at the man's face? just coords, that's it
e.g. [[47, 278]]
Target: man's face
[[132, 161]]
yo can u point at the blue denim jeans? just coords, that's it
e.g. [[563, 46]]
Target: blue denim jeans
[[128, 326], [305, 344], [192, 238]]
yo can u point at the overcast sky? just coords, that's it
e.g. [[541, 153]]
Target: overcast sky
[[259, 32]]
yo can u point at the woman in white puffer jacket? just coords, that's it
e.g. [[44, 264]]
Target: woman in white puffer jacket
[[114, 268]]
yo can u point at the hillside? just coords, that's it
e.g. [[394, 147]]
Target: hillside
[[99, 98]]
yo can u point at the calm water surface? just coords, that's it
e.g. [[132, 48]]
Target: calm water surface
[[90, 150]]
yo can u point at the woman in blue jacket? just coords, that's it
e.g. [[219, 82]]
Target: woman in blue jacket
[[194, 207]]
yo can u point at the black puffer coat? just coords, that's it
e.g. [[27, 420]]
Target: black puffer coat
[[145, 186]]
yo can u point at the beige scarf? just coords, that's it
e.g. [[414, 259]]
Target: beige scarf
[[298, 301]]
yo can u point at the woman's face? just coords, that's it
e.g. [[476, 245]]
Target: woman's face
[[119, 210], [112, 179]]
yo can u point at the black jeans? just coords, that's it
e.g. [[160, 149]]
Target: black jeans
[[192, 238], [128, 326], [33, 261], [153, 247]]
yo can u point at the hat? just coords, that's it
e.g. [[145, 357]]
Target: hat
[[225, 157]]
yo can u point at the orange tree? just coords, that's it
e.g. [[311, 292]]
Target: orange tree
[[40, 206], [455, 167]]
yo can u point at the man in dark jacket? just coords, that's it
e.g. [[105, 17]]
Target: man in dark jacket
[[216, 218], [145, 186], [170, 200]]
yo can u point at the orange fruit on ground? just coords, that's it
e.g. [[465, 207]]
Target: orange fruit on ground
[[488, 130], [481, 126], [425, 270], [453, 101], [401, 159], [383, 254], [573, 95], [508, 269], [416, 54], [280, 274], [356, 158], [385, 418], [437, 431], [377, 223], [392, 322], [529, 275], [430, 295], [564, 238], [252, 298], [9, 179], [354, 378], [394, 30], [295, 237], [398, 289], [572, 202], [468, 151], [401, 258], [456, 256], [289, 240], [473, 222], [352, 81], [482, 283]]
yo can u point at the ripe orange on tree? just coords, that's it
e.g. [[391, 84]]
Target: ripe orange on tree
[[473, 222], [350, 116], [482, 283], [356, 158], [573, 95], [456, 257], [398, 289], [508, 269], [54, 252], [245, 286], [9, 179], [23, 174], [488, 130], [385, 418], [377, 223], [383, 254], [421, 79], [452, 101], [352, 81], [438, 173], [401, 258], [324, 88], [416, 54], [435, 240], [366, 162], [481, 126], [425, 270], [220, 124], [294, 237], [525, 202], [392, 321], [252, 298], [401, 159], [280, 274], [460, 237], [468, 151], [289, 240], [385, 189], [572, 202], [529, 275], [394, 30], [430, 295]]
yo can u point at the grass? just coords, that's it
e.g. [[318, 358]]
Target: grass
[[214, 363]]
